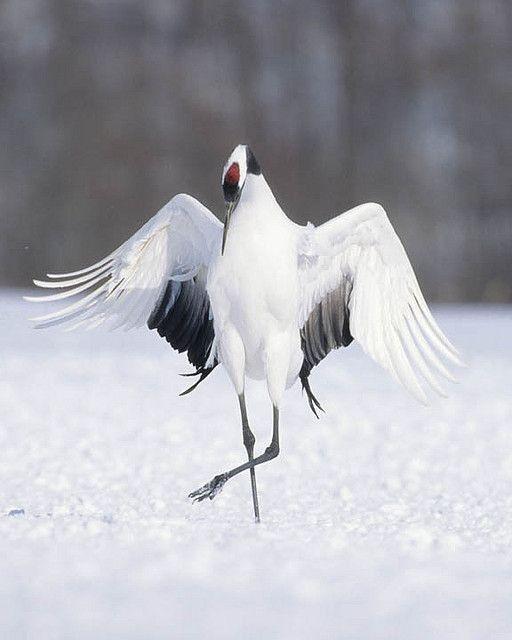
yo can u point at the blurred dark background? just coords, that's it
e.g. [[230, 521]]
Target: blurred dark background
[[110, 107]]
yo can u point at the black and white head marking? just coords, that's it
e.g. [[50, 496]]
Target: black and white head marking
[[240, 163]]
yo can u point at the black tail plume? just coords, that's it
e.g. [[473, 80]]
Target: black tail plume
[[313, 401], [202, 373]]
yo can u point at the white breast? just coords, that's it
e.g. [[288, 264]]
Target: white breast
[[253, 287]]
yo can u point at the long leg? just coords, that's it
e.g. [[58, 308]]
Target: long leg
[[233, 359], [248, 437], [212, 488]]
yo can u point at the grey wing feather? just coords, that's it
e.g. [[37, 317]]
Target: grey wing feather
[[357, 283], [326, 328]]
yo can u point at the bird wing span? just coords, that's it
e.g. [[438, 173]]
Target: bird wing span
[[357, 283], [158, 272]]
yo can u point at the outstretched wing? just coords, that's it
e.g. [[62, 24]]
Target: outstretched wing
[[157, 277], [357, 283]]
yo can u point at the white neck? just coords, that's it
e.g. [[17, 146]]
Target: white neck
[[257, 197]]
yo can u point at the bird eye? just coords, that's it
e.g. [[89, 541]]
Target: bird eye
[[232, 175]]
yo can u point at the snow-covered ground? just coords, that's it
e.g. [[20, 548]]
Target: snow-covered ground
[[384, 519]]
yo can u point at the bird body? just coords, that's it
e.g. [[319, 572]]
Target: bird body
[[253, 288], [266, 298]]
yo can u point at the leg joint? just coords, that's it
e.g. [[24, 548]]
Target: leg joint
[[272, 451], [249, 439]]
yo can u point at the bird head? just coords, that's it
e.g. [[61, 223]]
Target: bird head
[[240, 163]]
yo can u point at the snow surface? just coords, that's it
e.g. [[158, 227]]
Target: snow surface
[[384, 519]]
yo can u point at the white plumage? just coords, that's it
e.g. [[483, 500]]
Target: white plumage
[[271, 305], [126, 285], [360, 253]]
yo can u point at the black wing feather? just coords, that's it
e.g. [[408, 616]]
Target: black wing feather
[[183, 317], [327, 328]]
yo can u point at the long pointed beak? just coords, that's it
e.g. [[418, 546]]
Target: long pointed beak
[[229, 210]]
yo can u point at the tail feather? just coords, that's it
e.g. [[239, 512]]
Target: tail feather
[[313, 401], [202, 373]]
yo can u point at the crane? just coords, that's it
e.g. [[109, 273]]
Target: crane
[[264, 297]]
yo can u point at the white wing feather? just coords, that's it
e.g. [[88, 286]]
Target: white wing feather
[[360, 253], [124, 288]]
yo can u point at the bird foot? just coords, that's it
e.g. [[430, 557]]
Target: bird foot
[[210, 489]]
